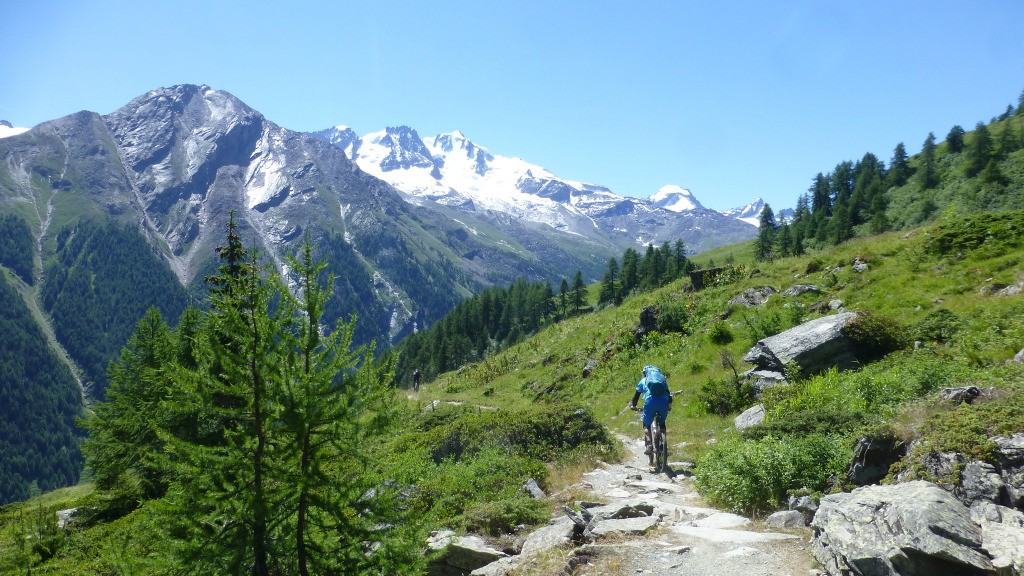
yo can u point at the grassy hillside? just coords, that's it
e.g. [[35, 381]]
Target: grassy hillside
[[533, 410], [943, 286]]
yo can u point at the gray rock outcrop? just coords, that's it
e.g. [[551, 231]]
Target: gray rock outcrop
[[752, 296], [799, 289], [911, 529], [459, 555], [814, 346], [750, 417]]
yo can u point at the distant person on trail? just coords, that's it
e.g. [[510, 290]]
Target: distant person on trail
[[416, 380], [654, 389]]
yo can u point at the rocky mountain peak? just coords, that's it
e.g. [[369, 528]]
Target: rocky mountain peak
[[675, 198]]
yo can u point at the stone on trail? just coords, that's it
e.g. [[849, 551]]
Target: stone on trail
[[786, 519], [720, 520], [730, 536], [625, 526], [459, 554], [910, 529]]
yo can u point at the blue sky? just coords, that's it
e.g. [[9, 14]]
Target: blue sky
[[732, 100]]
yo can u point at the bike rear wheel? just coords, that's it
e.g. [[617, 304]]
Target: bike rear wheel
[[660, 442]]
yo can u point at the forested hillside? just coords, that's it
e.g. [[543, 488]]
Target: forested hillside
[[967, 172], [102, 280], [40, 398]]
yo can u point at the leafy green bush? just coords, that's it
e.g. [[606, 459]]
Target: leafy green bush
[[672, 316], [938, 326], [723, 397], [505, 516], [874, 336], [719, 334], [807, 421], [752, 477], [994, 229]]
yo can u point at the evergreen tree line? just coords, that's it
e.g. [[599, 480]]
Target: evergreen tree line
[[860, 195], [656, 268], [489, 321], [100, 282], [16, 248], [245, 429], [498, 317], [39, 400]]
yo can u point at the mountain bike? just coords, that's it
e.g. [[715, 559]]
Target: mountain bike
[[659, 439]]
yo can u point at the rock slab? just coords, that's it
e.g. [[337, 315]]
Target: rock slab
[[910, 529]]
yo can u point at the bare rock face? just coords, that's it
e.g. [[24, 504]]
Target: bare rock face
[[911, 529], [815, 346]]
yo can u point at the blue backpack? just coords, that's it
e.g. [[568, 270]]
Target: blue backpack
[[656, 382]]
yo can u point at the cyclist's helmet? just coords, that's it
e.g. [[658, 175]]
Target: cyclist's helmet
[[646, 368]]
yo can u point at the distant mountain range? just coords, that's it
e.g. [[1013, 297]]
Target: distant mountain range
[[415, 224]]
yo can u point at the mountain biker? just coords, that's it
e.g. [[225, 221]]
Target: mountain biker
[[654, 389], [416, 380]]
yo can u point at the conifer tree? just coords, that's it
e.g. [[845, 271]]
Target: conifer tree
[[578, 290], [926, 175], [124, 447], [609, 290], [980, 150], [899, 167], [764, 245], [630, 271], [955, 139], [563, 296]]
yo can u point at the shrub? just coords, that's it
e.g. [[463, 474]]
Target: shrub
[[672, 317], [719, 334], [874, 336], [807, 421], [505, 516], [752, 477], [723, 397], [938, 326]]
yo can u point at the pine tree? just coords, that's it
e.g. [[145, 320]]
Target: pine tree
[[563, 296], [578, 291], [124, 447], [899, 167], [609, 290], [955, 139], [334, 397], [764, 245], [630, 271], [980, 150], [926, 175]]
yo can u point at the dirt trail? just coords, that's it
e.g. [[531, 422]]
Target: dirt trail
[[630, 520], [689, 538]]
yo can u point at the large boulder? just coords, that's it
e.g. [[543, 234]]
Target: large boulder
[[459, 555], [911, 529], [815, 346]]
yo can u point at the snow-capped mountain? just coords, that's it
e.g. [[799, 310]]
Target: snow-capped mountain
[[6, 129], [751, 213], [452, 171], [675, 198]]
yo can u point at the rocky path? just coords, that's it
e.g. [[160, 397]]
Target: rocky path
[[625, 519]]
